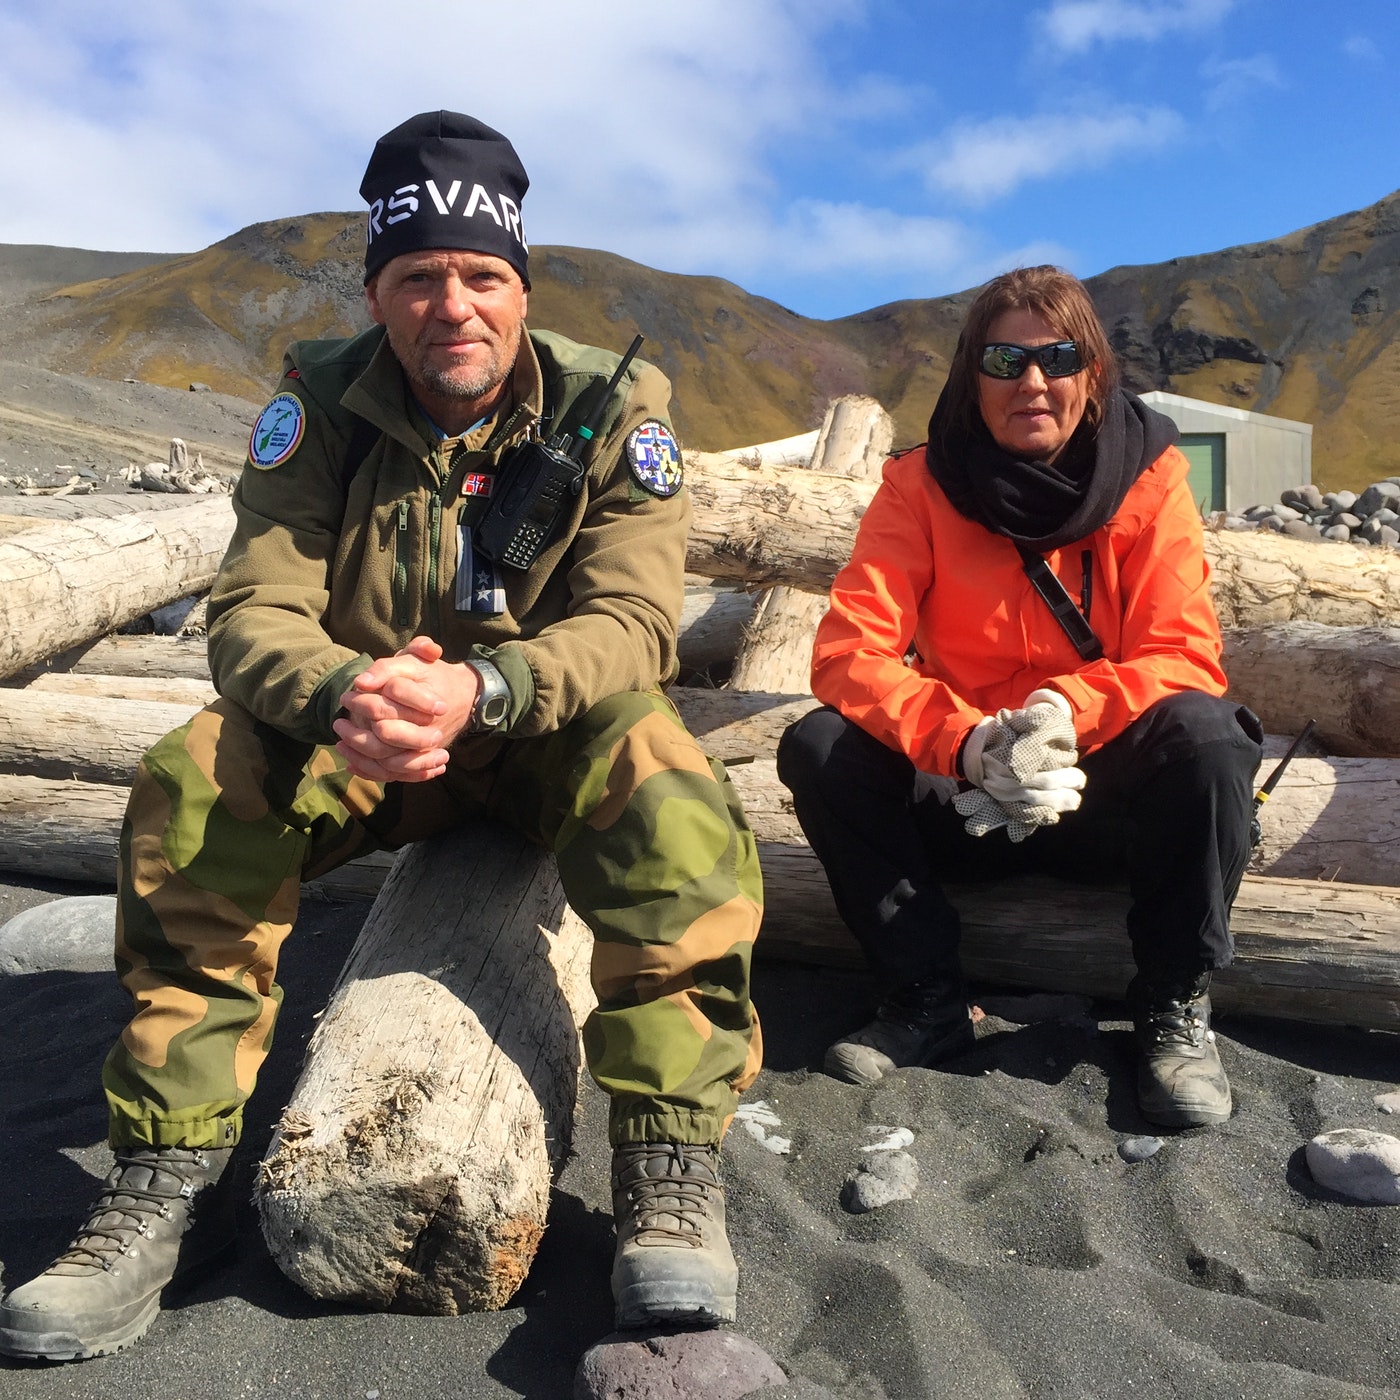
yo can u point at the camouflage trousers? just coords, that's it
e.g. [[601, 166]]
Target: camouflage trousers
[[228, 816]]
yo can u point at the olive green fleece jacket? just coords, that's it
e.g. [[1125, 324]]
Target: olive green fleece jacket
[[325, 574]]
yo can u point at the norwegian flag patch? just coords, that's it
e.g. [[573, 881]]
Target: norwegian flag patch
[[478, 483]]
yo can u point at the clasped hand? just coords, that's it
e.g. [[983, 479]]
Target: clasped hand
[[1022, 763], [402, 713]]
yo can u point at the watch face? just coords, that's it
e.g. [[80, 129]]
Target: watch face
[[494, 709]]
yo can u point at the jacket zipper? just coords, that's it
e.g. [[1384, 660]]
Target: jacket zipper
[[401, 567], [434, 544]]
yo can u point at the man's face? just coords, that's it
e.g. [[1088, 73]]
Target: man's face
[[454, 319]]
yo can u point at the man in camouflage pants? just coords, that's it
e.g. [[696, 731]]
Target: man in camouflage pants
[[384, 676]]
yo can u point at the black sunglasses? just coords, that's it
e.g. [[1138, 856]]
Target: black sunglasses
[[1057, 361]]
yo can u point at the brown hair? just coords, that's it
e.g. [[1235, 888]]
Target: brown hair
[[1064, 301]]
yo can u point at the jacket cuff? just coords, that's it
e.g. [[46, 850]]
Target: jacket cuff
[[323, 704], [515, 671]]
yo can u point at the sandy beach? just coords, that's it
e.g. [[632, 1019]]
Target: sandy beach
[[1031, 1261]]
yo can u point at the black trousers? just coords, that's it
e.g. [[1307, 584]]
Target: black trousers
[[1167, 803]]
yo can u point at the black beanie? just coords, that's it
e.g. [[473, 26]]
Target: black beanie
[[444, 180]]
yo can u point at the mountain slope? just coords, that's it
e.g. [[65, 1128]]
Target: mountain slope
[[1306, 326]]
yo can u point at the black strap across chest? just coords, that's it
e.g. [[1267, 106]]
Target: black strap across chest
[[1073, 622]]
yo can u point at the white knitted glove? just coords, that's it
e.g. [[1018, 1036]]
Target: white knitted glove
[[1024, 767]]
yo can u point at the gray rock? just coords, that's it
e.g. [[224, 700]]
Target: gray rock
[[1339, 533], [1305, 498], [1300, 530], [1339, 500], [1384, 516], [199, 387], [1388, 534], [64, 935], [1387, 1103], [1235, 522], [1286, 513], [670, 1365], [1272, 522], [1378, 494], [880, 1180], [1345, 517], [1139, 1149], [1357, 1163], [1257, 513]]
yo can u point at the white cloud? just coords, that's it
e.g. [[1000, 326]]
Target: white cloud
[[1363, 49], [1076, 25], [978, 162], [1236, 80]]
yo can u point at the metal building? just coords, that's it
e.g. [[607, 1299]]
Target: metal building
[[1238, 459]]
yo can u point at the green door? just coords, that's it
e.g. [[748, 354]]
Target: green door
[[1206, 453]]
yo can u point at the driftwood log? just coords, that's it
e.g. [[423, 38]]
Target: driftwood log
[[69, 581], [771, 525], [776, 652], [1345, 678], [412, 1168], [1333, 818], [1309, 950]]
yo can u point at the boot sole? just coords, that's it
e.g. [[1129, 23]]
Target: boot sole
[[128, 1326], [642, 1305], [838, 1065], [66, 1345]]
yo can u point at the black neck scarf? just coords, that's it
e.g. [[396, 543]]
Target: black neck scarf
[[1044, 507]]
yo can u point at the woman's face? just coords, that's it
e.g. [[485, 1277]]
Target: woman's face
[[1031, 417]]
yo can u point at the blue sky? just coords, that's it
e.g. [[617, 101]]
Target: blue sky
[[830, 154]]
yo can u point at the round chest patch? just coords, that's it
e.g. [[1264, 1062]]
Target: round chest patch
[[277, 432], [655, 458]]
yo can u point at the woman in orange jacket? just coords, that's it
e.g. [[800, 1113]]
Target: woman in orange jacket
[[1025, 622]]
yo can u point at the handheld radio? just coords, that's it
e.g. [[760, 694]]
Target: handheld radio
[[541, 479]]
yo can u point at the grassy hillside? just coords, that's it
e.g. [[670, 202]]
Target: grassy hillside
[[1306, 326]]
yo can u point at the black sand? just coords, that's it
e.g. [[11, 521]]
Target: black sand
[[1032, 1261]]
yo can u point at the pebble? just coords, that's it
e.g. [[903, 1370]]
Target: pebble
[[717, 1363], [1357, 1163], [63, 935], [1388, 1103], [1139, 1149], [880, 1181]]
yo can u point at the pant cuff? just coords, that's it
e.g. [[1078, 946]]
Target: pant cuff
[[126, 1131]]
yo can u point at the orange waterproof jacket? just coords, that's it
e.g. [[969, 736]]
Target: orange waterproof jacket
[[934, 624]]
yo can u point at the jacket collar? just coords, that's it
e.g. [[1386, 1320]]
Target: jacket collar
[[380, 394]]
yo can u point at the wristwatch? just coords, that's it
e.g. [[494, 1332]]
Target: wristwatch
[[492, 707]]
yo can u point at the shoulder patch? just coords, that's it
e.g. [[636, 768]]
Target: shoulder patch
[[654, 457], [277, 433]]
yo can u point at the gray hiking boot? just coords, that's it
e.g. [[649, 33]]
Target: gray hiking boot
[[673, 1261], [921, 1025], [1181, 1082], [158, 1216]]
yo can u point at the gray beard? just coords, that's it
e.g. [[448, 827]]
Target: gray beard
[[445, 386]]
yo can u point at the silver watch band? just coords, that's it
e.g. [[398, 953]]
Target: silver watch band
[[492, 707]]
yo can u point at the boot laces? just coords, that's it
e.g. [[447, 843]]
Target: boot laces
[[123, 1211], [671, 1205], [1178, 1024]]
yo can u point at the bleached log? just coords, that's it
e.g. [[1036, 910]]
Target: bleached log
[[1345, 678], [1331, 818], [1305, 950], [776, 653], [69, 581], [142, 655], [412, 1168], [774, 525], [795, 451], [712, 624], [160, 690], [1261, 578]]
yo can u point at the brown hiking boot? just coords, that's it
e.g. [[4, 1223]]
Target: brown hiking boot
[[673, 1262], [1181, 1082], [923, 1024], [159, 1215]]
